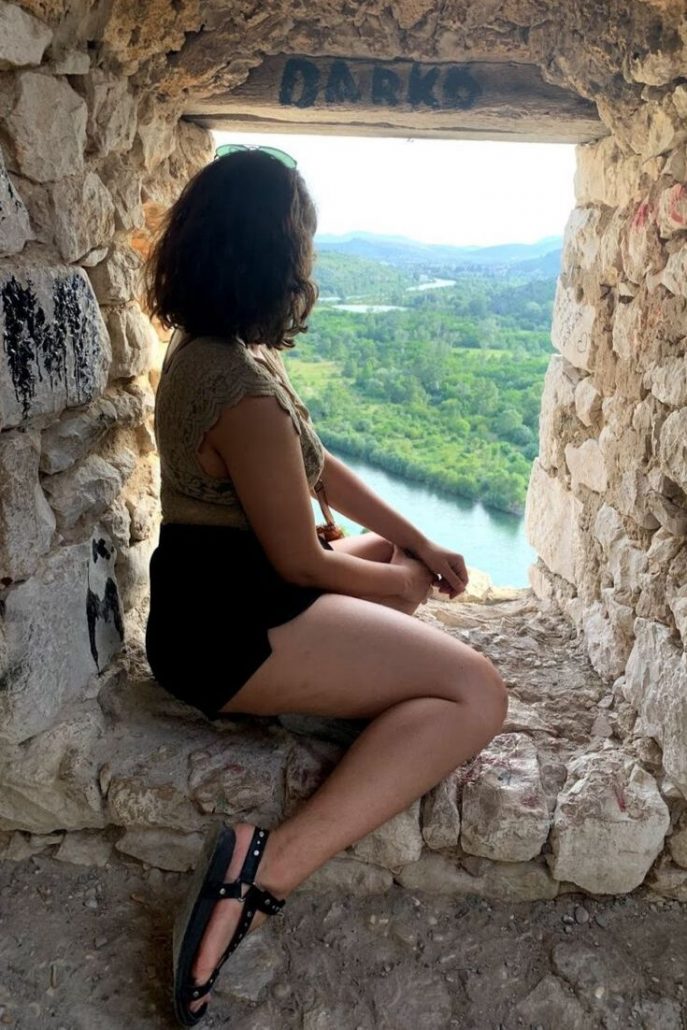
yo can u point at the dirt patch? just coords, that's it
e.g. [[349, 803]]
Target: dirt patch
[[90, 949]]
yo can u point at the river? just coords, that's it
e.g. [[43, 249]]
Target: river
[[490, 540]]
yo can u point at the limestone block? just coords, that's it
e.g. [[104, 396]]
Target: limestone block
[[195, 148], [349, 875], [587, 402], [144, 510], [23, 38], [83, 848], [50, 782], [627, 329], [47, 126], [674, 275], [504, 811], [607, 646], [308, 765], [15, 229], [672, 451], [609, 263], [630, 497], [668, 381], [133, 576], [676, 164], [84, 215], [621, 615], [121, 178], [140, 798], [609, 825], [133, 339], [242, 777], [394, 843], [116, 280], [552, 519], [587, 466], [605, 175], [556, 403], [157, 124], [162, 848], [672, 210], [57, 352], [608, 527], [84, 490], [678, 608], [440, 813], [654, 129], [75, 435], [61, 627], [626, 563], [582, 238], [677, 843], [505, 881], [668, 881], [552, 1003], [572, 330], [21, 846], [70, 62], [655, 66], [656, 685], [640, 245], [111, 125], [116, 523], [27, 524]]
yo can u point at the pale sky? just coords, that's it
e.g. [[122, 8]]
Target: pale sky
[[460, 192]]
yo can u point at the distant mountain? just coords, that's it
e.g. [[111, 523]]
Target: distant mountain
[[400, 251]]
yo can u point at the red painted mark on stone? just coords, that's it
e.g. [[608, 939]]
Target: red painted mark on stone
[[642, 215], [620, 798], [677, 192]]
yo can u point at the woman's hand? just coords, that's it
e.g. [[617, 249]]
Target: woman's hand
[[449, 565], [419, 580]]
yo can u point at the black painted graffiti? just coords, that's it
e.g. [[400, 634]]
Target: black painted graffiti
[[27, 332], [75, 311], [106, 608], [36, 345], [452, 88]]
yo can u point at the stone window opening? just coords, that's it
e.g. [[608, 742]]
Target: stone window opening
[[587, 785]]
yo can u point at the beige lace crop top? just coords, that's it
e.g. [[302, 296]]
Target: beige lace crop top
[[200, 376]]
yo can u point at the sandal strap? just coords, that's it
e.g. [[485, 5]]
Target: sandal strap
[[191, 991], [255, 898], [264, 900], [254, 854], [218, 890]]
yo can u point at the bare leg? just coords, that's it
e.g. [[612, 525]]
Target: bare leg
[[365, 545], [433, 701]]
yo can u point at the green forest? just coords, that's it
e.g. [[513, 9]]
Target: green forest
[[444, 388]]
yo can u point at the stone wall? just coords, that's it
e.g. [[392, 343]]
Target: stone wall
[[92, 151], [606, 507], [87, 160]]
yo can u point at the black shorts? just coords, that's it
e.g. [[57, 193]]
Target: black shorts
[[213, 596]]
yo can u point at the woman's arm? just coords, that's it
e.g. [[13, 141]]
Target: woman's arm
[[259, 446], [348, 494]]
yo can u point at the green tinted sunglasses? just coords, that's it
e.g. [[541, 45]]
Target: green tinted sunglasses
[[235, 148]]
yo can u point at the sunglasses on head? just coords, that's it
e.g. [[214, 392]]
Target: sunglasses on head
[[235, 148]]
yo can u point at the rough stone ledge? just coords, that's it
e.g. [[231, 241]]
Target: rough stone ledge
[[542, 810]]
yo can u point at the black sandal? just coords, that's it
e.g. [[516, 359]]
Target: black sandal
[[206, 889]]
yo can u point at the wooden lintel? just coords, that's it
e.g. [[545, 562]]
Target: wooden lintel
[[477, 100]]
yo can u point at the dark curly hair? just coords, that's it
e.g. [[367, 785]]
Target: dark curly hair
[[234, 254]]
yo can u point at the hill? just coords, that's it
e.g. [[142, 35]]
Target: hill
[[406, 253]]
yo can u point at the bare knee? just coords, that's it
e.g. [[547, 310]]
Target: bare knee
[[495, 692], [482, 687]]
